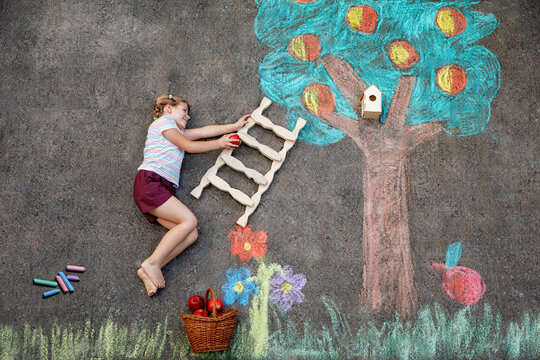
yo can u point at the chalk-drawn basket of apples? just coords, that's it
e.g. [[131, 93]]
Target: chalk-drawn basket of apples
[[206, 332]]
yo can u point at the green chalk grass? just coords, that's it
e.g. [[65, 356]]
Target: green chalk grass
[[433, 335]]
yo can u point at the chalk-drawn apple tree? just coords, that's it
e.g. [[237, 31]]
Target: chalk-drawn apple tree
[[421, 55]]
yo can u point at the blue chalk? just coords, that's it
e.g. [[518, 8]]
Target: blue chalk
[[68, 284], [51, 293]]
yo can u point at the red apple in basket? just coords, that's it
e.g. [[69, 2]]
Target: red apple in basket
[[195, 302], [200, 312], [219, 305], [235, 137]]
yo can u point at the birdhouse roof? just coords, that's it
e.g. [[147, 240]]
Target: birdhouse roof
[[372, 90]]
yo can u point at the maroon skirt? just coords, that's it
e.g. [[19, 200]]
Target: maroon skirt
[[151, 191]]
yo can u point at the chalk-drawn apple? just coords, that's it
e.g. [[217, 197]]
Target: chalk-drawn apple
[[460, 283]]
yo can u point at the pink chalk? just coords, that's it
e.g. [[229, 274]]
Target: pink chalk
[[61, 283], [73, 278], [75, 268]]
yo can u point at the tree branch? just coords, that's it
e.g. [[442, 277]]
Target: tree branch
[[397, 111], [347, 80], [419, 133], [342, 122]]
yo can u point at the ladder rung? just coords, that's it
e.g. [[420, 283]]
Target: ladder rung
[[278, 130], [235, 193], [239, 166], [265, 150]]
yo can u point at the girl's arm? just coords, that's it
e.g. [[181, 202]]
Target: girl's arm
[[176, 137], [215, 130]]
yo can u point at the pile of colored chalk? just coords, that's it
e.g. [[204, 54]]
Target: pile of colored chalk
[[62, 280]]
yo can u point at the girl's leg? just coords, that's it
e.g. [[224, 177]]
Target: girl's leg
[[190, 239], [172, 211], [166, 223]]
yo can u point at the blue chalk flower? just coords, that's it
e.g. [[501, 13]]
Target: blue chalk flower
[[239, 286]]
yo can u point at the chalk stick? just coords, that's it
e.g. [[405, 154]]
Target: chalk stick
[[75, 268], [61, 283], [66, 281], [45, 283], [73, 278], [51, 293]]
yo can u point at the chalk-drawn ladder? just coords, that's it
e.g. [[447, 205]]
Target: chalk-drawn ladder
[[264, 181]]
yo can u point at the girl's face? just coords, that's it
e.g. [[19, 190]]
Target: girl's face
[[179, 113]]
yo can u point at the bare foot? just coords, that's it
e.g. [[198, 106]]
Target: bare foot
[[154, 272], [151, 289]]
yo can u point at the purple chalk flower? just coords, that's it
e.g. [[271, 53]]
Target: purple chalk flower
[[285, 288]]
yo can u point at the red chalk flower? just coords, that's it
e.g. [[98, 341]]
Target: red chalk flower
[[247, 244]]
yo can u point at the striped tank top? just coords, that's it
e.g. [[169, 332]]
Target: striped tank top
[[160, 155]]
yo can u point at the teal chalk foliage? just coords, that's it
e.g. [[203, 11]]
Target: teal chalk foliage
[[283, 78], [453, 255], [434, 334]]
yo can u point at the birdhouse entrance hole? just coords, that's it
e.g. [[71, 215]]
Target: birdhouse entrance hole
[[372, 97]]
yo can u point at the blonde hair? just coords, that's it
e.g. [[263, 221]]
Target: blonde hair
[[164, 99]]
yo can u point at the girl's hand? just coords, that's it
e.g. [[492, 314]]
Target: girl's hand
[[241, 122], [225, 142]]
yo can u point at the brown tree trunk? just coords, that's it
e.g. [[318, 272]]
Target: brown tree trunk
[[388, 283], [388, 277]]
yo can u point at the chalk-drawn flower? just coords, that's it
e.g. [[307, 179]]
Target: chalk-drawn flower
[[239, 286], [247, 244], [285, 288]]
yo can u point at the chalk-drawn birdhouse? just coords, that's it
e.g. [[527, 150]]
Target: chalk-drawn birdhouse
[[371, 103]]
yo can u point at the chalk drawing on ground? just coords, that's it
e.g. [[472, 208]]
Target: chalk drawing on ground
[[437, 334], [264, 181], [462, 284], [423, 55], [247, 244], [272, 283], [239, 287], [286, 288]]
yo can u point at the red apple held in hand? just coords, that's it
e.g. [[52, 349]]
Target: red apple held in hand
[[235, 137], [200, 312], [195, 302], [219, 305]]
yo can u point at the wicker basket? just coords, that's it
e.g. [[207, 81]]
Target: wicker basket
[[213, 333]]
